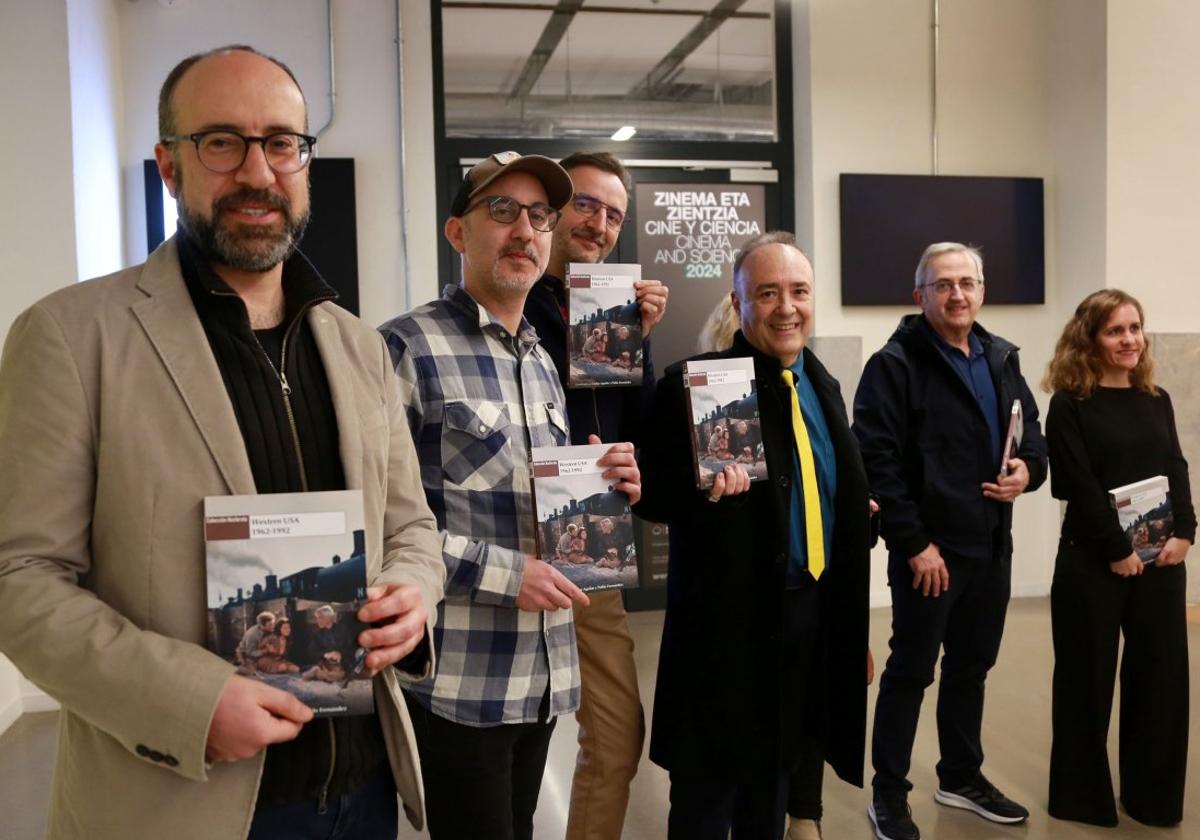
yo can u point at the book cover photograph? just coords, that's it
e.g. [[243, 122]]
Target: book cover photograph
[[1144, 511], [287, 573], [584, 527], [604, 325], [723, 412]]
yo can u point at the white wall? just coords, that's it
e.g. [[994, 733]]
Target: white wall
[[1153, 130], [38, 213], [871, 71], [1076, 87], [425, 228], [94, 64]]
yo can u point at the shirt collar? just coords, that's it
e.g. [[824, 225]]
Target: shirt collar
[[973, 341], [458, 297], [797, 368]]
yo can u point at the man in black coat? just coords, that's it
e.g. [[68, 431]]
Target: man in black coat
[[931, 415], [757, 654], [611, 722]]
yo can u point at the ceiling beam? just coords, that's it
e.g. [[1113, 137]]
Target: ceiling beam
[[756, 94], [667, 68], [593, 9], [560, 20]]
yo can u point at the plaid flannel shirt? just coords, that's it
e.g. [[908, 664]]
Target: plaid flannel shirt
[[478, 398]]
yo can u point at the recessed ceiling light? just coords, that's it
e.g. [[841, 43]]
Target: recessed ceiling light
[[624, 133]]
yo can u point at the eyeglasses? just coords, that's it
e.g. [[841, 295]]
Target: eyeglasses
[[587, 206], [507, 210], [223, 151], [944, 287]]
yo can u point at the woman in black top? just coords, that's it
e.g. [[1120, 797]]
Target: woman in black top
[[1109, 425]]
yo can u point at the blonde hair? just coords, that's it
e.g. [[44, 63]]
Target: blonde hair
[[1075, 367], [717, 332]]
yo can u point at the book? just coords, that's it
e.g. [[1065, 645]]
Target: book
[[584, 526], [1144, 512], [287, 573], [1012, 439], [604, 325], [722, 408]]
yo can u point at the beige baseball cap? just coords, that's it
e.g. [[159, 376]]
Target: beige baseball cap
[[554, 178]]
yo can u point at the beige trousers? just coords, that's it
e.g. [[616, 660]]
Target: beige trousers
[[612, 725]]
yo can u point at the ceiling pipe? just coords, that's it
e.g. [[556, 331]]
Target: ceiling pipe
[[332, 80], [934, 92], [402, 150]]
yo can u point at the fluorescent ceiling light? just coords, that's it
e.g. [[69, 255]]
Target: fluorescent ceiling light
[[624, 133]]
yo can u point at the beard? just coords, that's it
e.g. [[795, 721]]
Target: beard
[[256, 248], [577, 253], [507, 281]]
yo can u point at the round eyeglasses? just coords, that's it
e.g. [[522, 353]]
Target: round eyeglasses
[[506, 210], [286, 152]]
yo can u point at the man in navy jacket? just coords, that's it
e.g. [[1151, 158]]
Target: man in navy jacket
[[931, 414]]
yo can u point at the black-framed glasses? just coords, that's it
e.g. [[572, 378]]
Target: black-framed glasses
[[221, 150], [506, 210], [588, 205], [944, 287]]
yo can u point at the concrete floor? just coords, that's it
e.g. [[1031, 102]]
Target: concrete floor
[[1016, 738]]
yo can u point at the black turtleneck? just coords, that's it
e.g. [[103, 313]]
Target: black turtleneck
[[283, 462]]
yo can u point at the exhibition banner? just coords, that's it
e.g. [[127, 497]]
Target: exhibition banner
[[688, 236]]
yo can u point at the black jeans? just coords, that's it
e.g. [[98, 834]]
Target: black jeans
[[968, 620], [369, 812], [480, 782]]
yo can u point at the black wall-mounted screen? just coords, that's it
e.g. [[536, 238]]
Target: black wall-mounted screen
[[888, 220], [331, 240]]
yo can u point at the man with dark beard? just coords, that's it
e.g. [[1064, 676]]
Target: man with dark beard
[[217, 367]]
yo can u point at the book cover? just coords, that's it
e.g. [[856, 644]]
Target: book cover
[[1012, 439], [1144, 511], [723, 414], [584, 527], [604, 325], [287, 573]]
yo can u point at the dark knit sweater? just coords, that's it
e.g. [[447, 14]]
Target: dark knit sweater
[[1114, 437], [282, 463]]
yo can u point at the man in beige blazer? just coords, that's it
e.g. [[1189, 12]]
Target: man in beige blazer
[[217, 367]]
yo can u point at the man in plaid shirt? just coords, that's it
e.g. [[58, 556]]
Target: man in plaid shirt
[[481, 392]]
